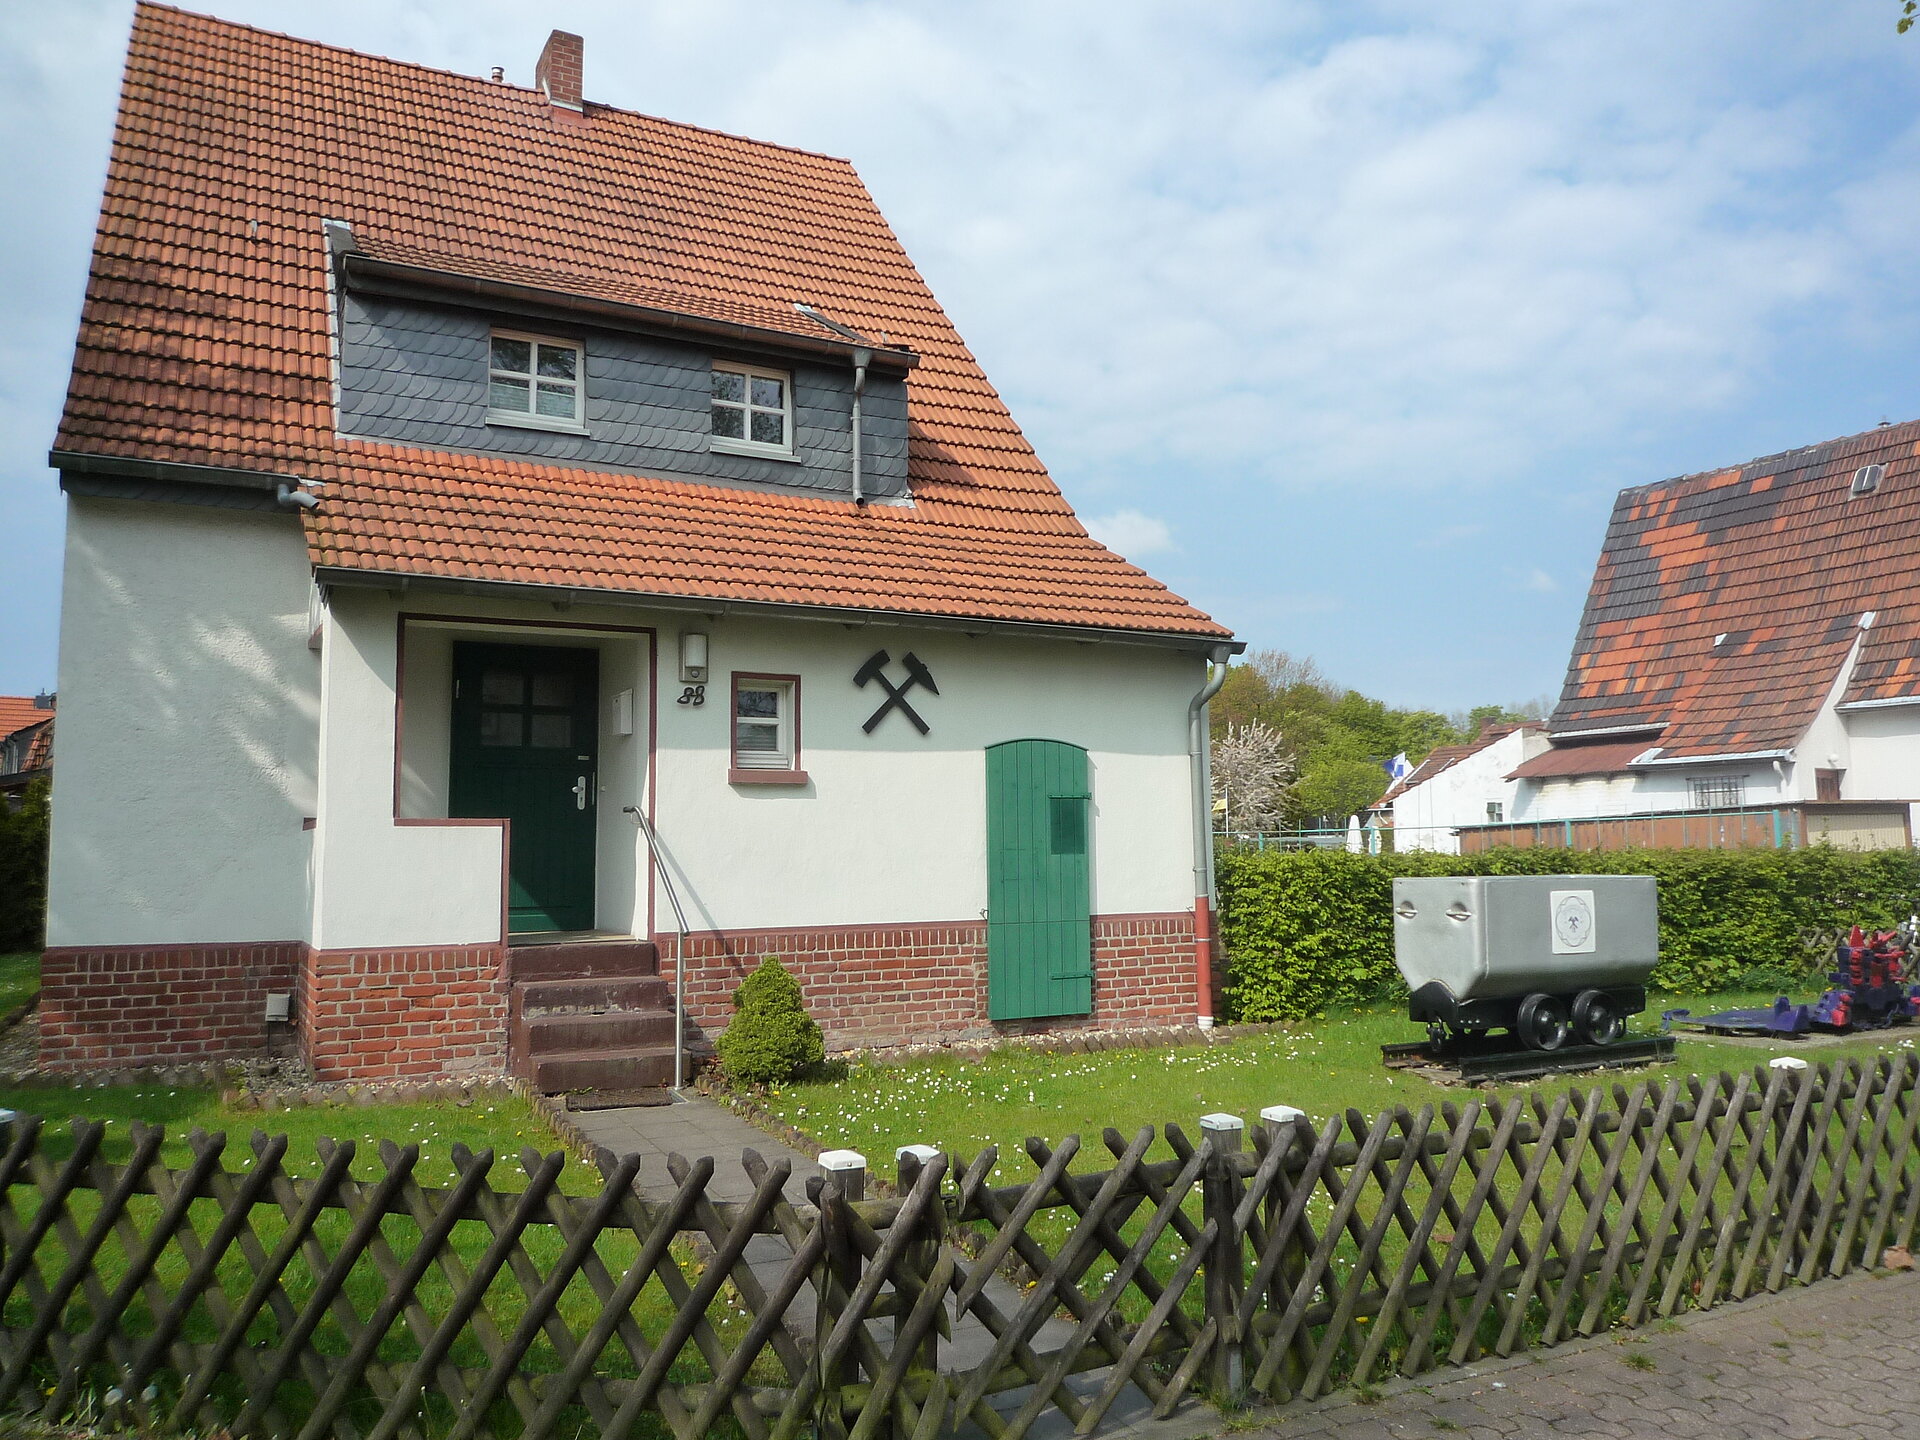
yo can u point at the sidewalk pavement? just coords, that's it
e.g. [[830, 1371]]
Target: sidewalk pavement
[[1835, 1360]]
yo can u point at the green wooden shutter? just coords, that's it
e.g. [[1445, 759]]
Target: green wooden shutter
[[1039, 885]]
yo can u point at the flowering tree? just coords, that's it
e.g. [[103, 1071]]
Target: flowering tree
[[1252, 772]]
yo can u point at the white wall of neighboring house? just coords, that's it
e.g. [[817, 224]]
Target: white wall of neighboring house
[[1639, 792], [1877, 749], [889, 828], [1425, 815], [187, 684]]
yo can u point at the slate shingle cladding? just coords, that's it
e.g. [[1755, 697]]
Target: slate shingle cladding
[[417, 375]]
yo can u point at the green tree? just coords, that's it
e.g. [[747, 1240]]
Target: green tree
[[1336, 786], [23, 870]]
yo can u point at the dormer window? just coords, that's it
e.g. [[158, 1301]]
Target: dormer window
[[752, 410], [534, 380]]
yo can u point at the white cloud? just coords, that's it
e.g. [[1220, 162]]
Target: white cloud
[[1535, 579], [1130, 533]]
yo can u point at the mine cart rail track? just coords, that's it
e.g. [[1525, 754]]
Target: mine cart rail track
[[1478, 1066]]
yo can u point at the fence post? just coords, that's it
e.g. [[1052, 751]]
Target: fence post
[[846, 1182], [1226, 1270], [921, 1257]]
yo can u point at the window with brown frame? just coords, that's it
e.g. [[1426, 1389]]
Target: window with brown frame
[[1826, 784], [766, 730]]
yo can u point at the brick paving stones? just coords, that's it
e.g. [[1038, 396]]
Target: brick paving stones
[[1832, 1361]]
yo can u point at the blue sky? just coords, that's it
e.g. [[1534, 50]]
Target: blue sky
[[1345, 319]]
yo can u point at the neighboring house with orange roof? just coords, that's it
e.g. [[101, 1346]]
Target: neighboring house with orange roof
[[1459, 785], [460, 474], [26, 743], [1751, 640]]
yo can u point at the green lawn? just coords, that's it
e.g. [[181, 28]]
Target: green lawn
[[503, 1124], [1323, 1067], [19, 978]]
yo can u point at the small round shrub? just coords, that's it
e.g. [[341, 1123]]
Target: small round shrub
[[771, 1037]]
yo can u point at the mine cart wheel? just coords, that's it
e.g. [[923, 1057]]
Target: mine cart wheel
[[1596, 1020], [1542, 1023]]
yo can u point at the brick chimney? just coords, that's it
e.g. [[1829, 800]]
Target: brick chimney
[[558, 72]]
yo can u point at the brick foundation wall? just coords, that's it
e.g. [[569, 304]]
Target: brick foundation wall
[[907, 984], [127, 1005], [419, 1014]]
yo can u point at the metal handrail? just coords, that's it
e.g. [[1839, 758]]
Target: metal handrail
[[679, 948]]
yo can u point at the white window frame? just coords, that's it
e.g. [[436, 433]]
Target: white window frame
[[529, 419], [777, 766], [726, 444]]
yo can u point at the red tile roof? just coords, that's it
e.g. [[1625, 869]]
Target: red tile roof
[[205, 341], [1726, 603], [17, 712], [1593, 757]]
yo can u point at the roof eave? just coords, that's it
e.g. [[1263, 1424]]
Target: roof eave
[[370, 275], [1216, 647]]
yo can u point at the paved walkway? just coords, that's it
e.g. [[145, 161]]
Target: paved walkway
[[1837, 1360], [698, 1128]]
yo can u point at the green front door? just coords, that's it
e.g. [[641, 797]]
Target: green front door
[[523, 751], [1039, 894]]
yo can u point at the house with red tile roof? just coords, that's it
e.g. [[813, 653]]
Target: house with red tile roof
[[1459, 785], [26, 743], [527, 561], [1751, 641]]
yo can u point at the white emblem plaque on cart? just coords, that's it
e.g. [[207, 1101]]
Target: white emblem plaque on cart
[[1572, 921]]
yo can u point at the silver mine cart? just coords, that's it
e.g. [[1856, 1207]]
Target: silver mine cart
[[1552, 958]]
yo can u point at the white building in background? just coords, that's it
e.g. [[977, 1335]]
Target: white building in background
[[1458, 785]]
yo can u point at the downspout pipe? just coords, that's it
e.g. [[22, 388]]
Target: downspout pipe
[[1197, 755], [862, 357]]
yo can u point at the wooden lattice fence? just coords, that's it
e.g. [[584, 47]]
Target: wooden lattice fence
[[204, 1294]]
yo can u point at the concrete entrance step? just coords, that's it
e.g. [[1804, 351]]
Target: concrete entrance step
[[603, 1070], [614, 958], [561, 1034], [535, 998]]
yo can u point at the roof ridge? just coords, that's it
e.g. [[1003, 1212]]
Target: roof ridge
[[1763, 459], [590, 105]]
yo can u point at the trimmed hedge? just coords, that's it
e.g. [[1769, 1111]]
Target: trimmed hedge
[[1303, 930]]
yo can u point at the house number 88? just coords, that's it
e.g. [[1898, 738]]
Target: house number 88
[[693, 695]]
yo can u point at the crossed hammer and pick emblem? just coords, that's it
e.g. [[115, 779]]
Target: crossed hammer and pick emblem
[[917, 674]]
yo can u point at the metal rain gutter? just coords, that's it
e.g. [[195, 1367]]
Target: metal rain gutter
[[1198, 758], [1651, 757]]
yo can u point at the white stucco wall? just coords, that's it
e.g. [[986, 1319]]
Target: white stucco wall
[[188, 706], [1425, 815], [890, 828], [1883, 752], [379, 884]]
